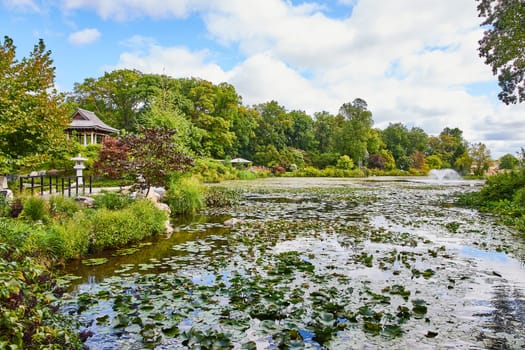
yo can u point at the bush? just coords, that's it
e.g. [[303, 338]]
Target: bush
[[111, 200], [246, 175], [116, 228], [14, 232], [185, 196], [5, 207], [62, 207], [345, 162], [35, 209], [75, 233], [151, 220], [28, 319], [502, 186]]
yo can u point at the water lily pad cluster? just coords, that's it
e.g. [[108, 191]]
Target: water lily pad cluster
[[322, 268]]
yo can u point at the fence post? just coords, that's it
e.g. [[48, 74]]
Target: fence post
[[21, 184], [56, 183], [32, 185], [90, 185], [42, 185], [63, 189], [69, 187]]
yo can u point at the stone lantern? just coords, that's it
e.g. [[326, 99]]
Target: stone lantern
[[79, 167]]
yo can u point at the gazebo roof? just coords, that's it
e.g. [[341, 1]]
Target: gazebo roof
[[87, 120], [240, 160]]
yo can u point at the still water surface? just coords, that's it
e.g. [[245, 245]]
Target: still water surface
[[379, 263]]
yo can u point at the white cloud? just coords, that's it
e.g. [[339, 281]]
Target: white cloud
[[173, 61], [84, 37], [411, 60]]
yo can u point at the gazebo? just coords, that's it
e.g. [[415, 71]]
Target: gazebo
[[240, 162], [88, 128]]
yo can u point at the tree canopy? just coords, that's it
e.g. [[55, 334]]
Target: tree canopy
[[32, 114], [503, 45]]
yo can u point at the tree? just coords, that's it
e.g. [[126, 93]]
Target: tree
[[508, 161], [326, 127], [117, 97], [356, 130], [152, 155], [32, 114], [480, 155], [503, 45], [301, 134]]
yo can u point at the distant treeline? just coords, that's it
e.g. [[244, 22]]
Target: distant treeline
[[213, 122]]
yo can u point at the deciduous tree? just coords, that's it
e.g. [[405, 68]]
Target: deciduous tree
[[152, 155], [503, 45], [32, 114]]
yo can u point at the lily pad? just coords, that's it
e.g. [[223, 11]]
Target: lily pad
[[94, 261]]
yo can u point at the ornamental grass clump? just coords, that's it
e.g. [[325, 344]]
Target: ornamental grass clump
[[185, 196]]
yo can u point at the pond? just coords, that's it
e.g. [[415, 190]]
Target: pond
[[314, 263]]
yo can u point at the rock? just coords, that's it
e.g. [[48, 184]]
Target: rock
[[85, 201], [163, 206], [3, 182], [7, 194], [169, 228], [153, 196]]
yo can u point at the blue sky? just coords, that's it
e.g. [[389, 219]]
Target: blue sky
[[413, 61]]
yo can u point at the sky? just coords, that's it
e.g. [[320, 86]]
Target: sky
[[413, 61]]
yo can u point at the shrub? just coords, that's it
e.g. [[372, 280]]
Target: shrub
[[185, 196], [151, 220], [14, 232], [28, 319], [502, 186], [116, 228], [5, 207], [111, 200], [519, 197], [35, 209], [75, 232], [62, 207], [246, 175], [345, 162]]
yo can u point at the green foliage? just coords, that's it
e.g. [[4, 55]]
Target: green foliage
[[345, 163], [502, 186], [35, 209], [32, 115], [5, 207], [28, 319], [508, 161], [185, 196], [246, 175], [504, 195], [355, 131], [111, 200], [502, 45], [75, 234], [62, 207], [116, 228]]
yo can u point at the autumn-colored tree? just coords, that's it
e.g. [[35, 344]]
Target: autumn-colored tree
[[32, 114], [151, 155]]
